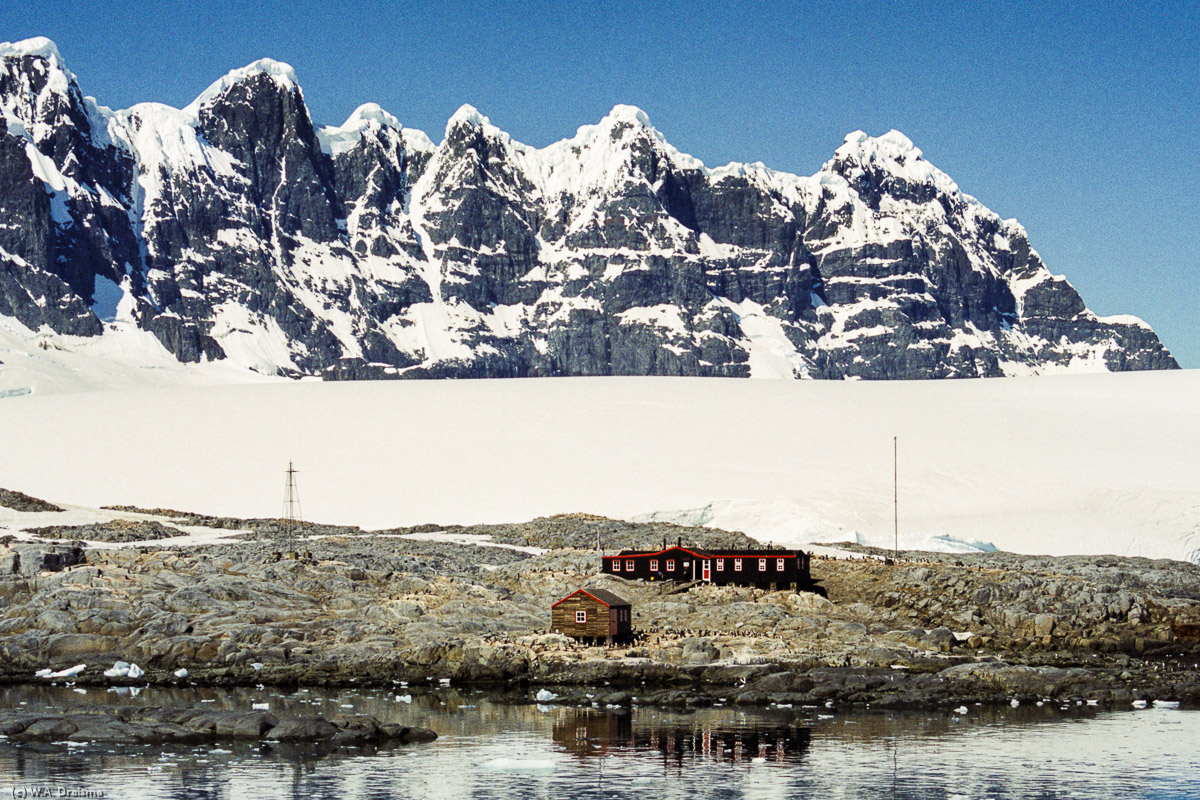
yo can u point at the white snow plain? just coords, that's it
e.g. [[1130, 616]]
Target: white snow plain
[[1102, 463]]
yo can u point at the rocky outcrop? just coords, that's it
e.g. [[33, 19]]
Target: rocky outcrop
[[155, 725], [118, 530], [348, 606], [236, 228], [19, 501]]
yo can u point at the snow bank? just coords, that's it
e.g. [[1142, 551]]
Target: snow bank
[[1064, 464]]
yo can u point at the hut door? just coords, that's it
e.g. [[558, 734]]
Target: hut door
[[704, 571]]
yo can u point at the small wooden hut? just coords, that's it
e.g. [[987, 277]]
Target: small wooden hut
[[592, 614]]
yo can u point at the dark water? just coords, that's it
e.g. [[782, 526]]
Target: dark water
[[490, 749]]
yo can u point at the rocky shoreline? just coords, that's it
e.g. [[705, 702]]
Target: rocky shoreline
[[156, 725], [339, 606]]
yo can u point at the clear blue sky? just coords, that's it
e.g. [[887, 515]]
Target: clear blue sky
[[1081, 119]]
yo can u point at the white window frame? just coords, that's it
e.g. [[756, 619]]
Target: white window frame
[[580, 617], [654, 565], [629, 565], [779, 565], [616, 562], [737, 565], [720, 564], [762, 565], [670, 565]]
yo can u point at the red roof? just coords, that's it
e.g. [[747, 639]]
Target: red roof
[[602, 596], [714, 554], [700, 554]]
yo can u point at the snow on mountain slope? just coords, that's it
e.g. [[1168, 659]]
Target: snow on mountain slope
[[1071, 464], [247, 233]]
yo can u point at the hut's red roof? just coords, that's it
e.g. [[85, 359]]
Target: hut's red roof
[[602, 596]]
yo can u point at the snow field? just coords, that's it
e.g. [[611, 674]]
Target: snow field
[[1063, 464]]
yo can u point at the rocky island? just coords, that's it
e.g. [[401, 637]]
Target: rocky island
[[260, 603]]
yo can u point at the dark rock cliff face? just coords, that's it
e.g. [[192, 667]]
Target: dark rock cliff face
[[236, 229]]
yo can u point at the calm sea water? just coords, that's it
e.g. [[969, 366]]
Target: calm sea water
[[491, 749]]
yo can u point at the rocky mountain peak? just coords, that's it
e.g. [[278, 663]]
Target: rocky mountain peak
[[37, 92], [276, 72], [891, 162], [466, 118], [37, 46]]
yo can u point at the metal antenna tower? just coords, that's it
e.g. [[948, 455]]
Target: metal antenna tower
[[291, 505], [896, 496]]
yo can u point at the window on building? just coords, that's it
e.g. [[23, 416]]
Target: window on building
[[720, 565], [654, 565], [670, 565], [737, 565], [616, 565], [779, 565], [629, 566], [581, 617]]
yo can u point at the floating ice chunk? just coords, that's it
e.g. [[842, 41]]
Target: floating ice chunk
[[404, 698], [521, 764], [545, 696], [758, 760], [1139, 703], [77, 690], [1166, 704], [260, 706], [181, 673], [69, 672], [961, 710], [1014, 702], [124, 669]]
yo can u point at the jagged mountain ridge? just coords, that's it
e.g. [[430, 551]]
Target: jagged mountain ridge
[[235, 228]]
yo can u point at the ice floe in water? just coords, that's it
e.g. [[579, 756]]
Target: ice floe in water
[[521, 765]]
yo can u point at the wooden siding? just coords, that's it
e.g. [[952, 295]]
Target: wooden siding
[[562, 619]]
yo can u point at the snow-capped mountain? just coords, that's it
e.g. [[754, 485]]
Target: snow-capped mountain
[[237, 229]]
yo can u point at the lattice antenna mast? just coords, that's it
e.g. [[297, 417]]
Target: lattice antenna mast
[[291, 504], [896, 497]]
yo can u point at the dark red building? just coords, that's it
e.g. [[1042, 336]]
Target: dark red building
[[766, 569], [592, 614]]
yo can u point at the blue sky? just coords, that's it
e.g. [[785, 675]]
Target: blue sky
[[1082, 120]]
